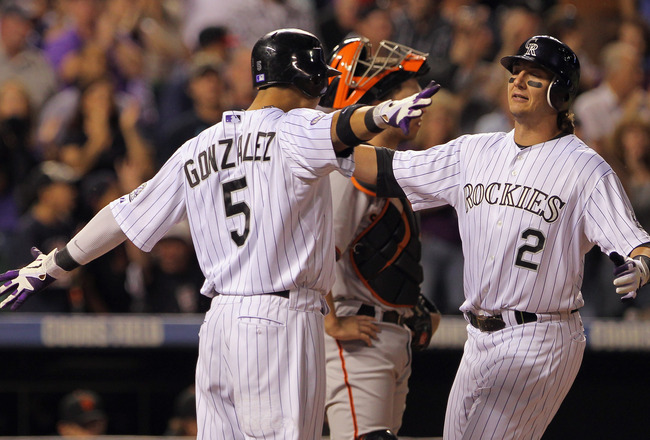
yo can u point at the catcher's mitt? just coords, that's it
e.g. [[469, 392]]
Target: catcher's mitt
[[420, 323]]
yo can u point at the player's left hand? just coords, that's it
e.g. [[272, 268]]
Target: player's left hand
[[629, 275], [400, 113], [351, 328], [22, 283]]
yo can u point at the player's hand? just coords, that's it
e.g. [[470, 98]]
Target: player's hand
[[352, 328], [400, 113], [629, 275], [22, 283]]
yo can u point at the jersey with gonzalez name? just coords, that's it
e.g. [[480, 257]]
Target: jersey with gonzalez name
[[254, 188], [526, 216]]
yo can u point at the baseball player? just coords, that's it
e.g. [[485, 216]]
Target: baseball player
[[255, 191], [378, 274], [530, 204]]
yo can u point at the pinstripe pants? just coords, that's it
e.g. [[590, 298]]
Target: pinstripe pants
[[510, 383], [261, 368]]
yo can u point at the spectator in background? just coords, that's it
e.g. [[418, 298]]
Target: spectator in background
[[467, 70], [420, 25], [173, 278], [50, 193], [81, 414], [63, 41], [104, 284], [620, 94], [563, 23], [238, 76], [374, 23], [247, 19], [442, 254], [206, 88], [21, 61], [630, 146], [629, 149], [183, 422], [337, 19], [214, 42], [100, 135], [59, 110], [16, 150]]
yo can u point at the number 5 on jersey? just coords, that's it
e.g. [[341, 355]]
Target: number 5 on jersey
[[238, 208]]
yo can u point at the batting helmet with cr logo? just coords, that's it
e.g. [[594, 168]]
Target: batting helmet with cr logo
[[559, 59]]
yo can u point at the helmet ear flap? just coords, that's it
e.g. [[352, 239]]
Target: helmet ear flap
[[327, 100], [558, 94]]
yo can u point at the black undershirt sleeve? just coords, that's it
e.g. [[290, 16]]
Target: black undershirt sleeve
[[387, 185]]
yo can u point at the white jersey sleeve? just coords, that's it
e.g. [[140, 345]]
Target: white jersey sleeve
[[147, 213], [431, 178], [306, 141], [609, 218]]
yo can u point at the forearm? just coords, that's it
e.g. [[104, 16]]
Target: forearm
[[100, 235]]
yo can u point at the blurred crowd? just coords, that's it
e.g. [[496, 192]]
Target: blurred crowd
[[95, 95]]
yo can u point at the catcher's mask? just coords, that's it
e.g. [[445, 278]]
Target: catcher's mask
[[291, 57], [556, 57], [366, 77]]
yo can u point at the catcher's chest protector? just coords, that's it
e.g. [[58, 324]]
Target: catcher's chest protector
[[386, 255]]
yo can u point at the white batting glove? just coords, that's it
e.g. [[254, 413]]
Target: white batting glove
[[629, 275], [23, 283], [400, 113]]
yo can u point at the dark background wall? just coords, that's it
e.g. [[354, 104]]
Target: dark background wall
[[140, 363]]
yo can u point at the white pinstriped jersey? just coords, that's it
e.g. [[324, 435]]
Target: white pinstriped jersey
[[526, 216], [258, 206]]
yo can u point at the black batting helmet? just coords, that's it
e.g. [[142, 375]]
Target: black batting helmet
[[291, 57], [559, 59]]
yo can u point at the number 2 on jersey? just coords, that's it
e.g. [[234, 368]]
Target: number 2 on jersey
[[530, 248], [233, 209]]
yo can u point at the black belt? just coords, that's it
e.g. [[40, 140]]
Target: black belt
[[390, 316], [283, 294], [496, 322]]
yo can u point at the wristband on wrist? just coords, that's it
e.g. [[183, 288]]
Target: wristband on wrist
[[371, 125], [64, 260]]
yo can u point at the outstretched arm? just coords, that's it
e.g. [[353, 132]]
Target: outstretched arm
[[99, 236]]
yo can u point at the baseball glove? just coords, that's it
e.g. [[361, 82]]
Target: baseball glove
[[420, 324]]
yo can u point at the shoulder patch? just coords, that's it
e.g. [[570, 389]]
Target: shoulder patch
[[316, 119], [133, 194]]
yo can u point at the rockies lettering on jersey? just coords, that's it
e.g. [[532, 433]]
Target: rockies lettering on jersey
[[515, 196], [222, 156]]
